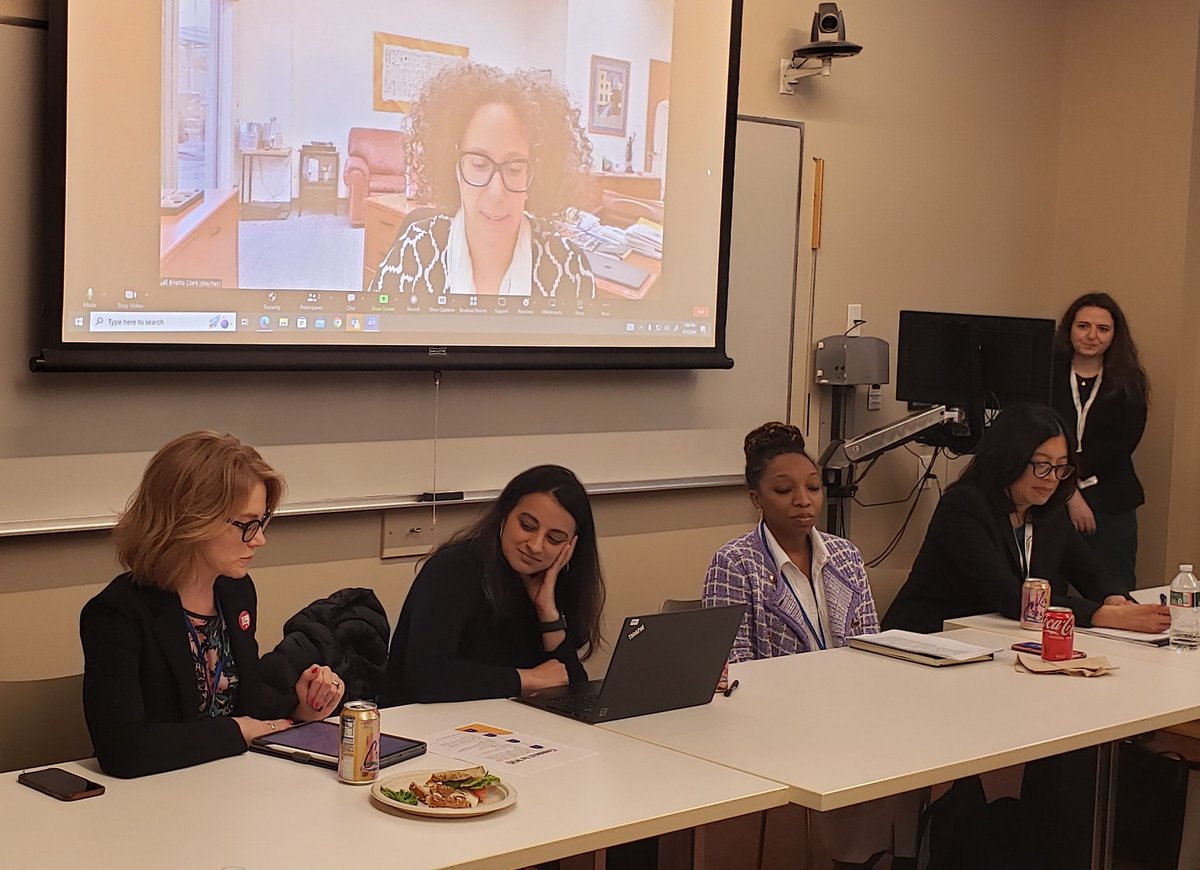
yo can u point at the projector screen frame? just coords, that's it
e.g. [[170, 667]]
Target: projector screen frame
[[58, 355]]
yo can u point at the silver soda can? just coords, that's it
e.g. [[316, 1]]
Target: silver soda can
[[358, 749], [1035, 598]]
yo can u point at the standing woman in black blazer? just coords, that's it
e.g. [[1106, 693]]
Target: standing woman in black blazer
[[1101, 390], [170, 660], [1005, 520]]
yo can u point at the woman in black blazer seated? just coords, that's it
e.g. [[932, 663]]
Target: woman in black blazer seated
[[170, 660], [502, 608], [1101, 391], [1004, 520]]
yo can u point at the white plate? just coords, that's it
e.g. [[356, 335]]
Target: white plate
[[497, 797]]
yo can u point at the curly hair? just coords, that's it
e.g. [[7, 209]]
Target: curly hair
[[559, 151], [1122, 366], [189, 490], [768, 441]]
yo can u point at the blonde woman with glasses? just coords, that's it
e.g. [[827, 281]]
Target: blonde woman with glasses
[[170, 657]]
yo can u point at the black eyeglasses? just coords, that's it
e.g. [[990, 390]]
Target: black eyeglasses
[[250, 528], [1045, 469], [478, 170]]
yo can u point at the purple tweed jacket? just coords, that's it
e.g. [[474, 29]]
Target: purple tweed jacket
[[741, 572]]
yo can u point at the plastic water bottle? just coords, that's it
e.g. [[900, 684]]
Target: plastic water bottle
[[1185, 610]]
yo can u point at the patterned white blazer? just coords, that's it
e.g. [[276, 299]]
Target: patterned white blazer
[[742, 572]]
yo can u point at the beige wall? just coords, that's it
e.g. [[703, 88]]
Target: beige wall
[[940, 150], [1126, 224], [979, 156]]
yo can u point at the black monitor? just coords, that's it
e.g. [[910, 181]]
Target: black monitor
[[975, 362]]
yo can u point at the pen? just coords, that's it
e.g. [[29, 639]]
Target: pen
[[732, 686]]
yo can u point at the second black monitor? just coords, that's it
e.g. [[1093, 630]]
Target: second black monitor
[[973, 361]]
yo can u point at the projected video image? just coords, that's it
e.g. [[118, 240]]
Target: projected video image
[[397, 174], [418, 151]]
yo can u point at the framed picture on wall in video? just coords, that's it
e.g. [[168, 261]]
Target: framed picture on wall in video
[[608, 109]]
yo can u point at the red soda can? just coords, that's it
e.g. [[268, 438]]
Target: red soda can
[[358, 757], [1058, 634], [1035, 598]]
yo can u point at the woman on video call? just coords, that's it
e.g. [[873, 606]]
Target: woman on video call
[[501, 609], [170, 675], [1101, 391], [1005, 520], [500, 156]]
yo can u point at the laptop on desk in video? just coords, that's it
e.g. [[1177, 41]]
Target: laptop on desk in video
[[661, 662]]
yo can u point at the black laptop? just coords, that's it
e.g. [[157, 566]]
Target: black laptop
[[661, 662]]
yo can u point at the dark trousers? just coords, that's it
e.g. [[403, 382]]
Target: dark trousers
[[1115, 543]]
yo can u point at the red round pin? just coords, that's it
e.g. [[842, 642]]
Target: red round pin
[[244, 620]]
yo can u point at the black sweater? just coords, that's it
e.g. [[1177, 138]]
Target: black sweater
[[969, 565], [450, 645], [1114, 428]]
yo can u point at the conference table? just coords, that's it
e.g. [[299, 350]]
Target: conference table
[[256, 811], [840, 727], [820, 731]]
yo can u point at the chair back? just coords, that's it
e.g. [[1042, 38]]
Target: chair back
[[622, 210], [383, 150], [674, 605], [41, 722]]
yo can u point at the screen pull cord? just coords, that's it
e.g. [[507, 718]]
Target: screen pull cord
[[437, 389]]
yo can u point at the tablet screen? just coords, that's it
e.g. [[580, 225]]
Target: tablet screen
[[320, 741]]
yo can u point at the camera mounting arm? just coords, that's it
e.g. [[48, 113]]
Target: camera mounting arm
[[791, 72], [841, 455]]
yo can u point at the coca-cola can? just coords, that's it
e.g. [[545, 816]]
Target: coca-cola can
[[1035, 598], [1058, 634]]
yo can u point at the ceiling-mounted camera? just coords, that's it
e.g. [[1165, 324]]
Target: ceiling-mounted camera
[[828, 37]]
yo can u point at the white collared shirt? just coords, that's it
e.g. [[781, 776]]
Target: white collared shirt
[[811, 596], [517, 281]]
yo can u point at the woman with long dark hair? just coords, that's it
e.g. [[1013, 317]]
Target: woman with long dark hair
[[505, 607], [1005, 520], [1102, 393]]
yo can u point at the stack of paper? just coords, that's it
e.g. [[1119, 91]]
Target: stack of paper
[[1160, 639], [645, 237]]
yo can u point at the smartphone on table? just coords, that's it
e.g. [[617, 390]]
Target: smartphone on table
[[1035, 648], [60, 784]]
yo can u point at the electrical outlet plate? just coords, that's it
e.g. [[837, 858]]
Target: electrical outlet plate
[[409, 532], [853, 314]]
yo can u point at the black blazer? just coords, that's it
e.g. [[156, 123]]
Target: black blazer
[[969, 565], [450, 645], [139, 684], [1114, 428]]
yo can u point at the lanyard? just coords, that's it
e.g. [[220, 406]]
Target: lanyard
[[1024, 554], [1081, 409], [216, 677], [818, 633]]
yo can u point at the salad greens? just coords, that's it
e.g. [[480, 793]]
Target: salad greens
[[403, 795]]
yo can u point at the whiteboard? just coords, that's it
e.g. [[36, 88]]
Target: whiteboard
[[74, 445]]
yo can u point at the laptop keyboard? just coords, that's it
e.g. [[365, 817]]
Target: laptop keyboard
[[577, 706]]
